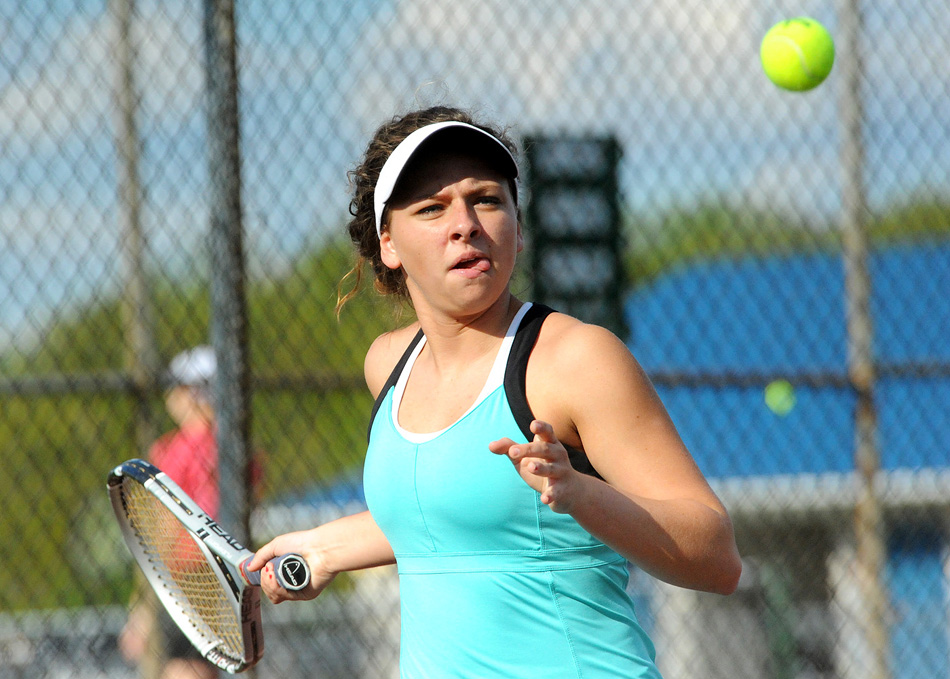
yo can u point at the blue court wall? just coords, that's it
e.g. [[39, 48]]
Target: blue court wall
[[785, 317]]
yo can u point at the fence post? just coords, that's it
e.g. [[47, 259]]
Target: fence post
[[228, 303], [870, 548], [141, 355]]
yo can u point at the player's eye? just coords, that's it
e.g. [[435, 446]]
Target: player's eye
[[489, 199], [430, 209]]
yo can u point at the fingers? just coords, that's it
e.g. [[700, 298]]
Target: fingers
[[543, 431], [544, 465], [515, 451], [269, 584], [501, 446], [271, 588], [538, 460], [544, 446], [262, 556], [260, 562]]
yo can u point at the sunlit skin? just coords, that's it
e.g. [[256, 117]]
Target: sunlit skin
[[453, 231]]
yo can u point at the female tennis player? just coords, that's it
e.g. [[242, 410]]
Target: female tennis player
[[518, 458]]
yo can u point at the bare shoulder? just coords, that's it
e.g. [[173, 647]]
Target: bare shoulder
[[596, 374], [577, 372], [601, 395], [384, 353], [576, 349]]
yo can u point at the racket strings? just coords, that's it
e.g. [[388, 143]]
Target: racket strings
[[190, 581]]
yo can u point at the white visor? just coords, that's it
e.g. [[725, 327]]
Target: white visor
[[402, 154]]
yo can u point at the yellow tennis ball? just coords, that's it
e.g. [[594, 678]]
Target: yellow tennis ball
[[797, 54], [780, 397]]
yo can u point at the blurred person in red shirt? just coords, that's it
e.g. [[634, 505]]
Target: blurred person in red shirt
[[189, 455]]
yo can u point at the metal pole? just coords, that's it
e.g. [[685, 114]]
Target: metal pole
[[870, 552], [228, 304], [140, 353], [141, 357]]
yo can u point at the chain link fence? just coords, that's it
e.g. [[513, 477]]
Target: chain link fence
[[787, 267]]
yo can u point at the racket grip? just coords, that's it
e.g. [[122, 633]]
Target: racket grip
[[291, 570]]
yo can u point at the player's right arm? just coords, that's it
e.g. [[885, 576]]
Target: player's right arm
[[351, 543]]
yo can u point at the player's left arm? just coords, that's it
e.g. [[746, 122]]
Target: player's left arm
[[654, 505]]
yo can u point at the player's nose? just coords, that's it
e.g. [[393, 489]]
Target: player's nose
[[464, 222]]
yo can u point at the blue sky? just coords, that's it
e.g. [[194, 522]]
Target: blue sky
[[678, 82]]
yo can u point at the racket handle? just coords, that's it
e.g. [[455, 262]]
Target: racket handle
[[292, 571]]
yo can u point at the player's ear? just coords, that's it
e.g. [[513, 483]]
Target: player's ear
[[387, 251], [520, 237]]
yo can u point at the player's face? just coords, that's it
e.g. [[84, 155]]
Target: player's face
[[453, 229]]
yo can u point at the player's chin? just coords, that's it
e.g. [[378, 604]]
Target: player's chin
[[472, 295]]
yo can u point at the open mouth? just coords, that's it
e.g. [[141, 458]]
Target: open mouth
[[477, 263]]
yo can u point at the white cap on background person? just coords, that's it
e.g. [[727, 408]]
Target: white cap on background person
[[194, 368]]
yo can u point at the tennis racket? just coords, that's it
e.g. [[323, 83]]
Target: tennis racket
[[198, 571]]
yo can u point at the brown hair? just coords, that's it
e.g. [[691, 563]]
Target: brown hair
[[362, 226]]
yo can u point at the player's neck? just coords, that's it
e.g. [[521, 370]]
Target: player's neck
[[451, 338]]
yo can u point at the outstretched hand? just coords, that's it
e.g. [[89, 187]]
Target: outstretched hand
[[544, 465]]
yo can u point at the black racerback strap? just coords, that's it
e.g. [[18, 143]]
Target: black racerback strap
[[515, 379], [393, 378]]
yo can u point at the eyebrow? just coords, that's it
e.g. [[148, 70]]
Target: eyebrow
[[480, 186]]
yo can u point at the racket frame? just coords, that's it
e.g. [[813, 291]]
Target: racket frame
[[223, 552]]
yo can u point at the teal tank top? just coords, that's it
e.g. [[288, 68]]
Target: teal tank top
[[493, 583]]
